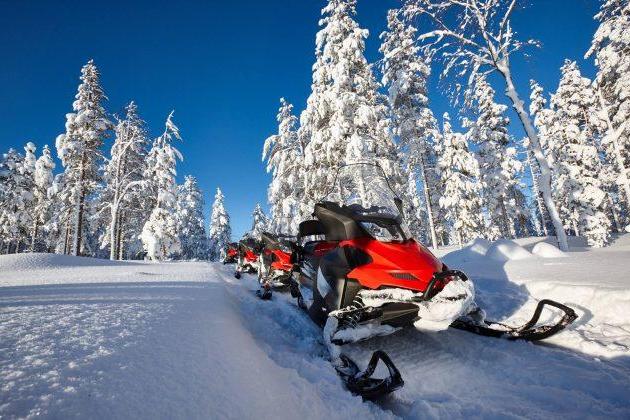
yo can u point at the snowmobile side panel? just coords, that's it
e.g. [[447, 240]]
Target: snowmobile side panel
[[406, 265]]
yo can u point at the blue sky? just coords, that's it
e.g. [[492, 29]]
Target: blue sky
[[221, 65]]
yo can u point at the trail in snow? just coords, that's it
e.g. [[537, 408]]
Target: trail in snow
[[129, 349]]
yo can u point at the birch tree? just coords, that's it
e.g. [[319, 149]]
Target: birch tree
[[473, 37]]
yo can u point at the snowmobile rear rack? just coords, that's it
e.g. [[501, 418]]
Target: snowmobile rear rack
[[361, 383], [528, 331]]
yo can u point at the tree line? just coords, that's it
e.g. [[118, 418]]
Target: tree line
[[124, 204], [458, 186]]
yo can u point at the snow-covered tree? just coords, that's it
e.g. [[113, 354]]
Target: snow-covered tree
[[405, 74], [42, 205], [13, 205], [345, 119], [541, 220], [460, 188], [191, 223], [576, 163], [28, 187], [611, 48], [498, 164], [260, 223], [285, 162], [474, 37], [79, 149], [124, 198], [159, 235], [220, 233]]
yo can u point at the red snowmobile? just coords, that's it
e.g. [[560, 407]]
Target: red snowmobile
[[362, 275], [230, 254], [249, 250], [276, 267]]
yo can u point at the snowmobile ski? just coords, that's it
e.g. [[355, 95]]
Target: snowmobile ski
[[529, 331], [362, 383], [264, 292]]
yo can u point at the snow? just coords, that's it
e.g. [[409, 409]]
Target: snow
[[82, 337], [507, 250], [545, 250]]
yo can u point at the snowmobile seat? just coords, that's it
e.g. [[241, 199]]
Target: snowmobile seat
[[310, 228]]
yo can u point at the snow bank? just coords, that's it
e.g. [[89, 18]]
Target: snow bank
[[479, 246], [545, 250], [46, 269], [507, 250], [595, 282], [31, 261]]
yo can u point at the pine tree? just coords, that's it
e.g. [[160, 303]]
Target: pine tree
[[124, 197], [542, 121], [285, 161], [460, 197], [191, 223], [220, 231], [498, 163], [159, 235], [260, 223], [42, 206], [345, 117], [576, 163], [12, 201], [611, 48], [405, 74], [80, 154], [27, 187]]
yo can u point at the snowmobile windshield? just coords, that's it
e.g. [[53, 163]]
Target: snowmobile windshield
[[364, 189]]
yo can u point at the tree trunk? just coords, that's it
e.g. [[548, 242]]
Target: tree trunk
[[78, 222], [427, 200], [34, 235], [113, 252], [66, 241], [508, 229], [119, 237], [536, 192], [615, 216], [534, 144]]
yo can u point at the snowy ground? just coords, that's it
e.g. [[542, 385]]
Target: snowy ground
[[89, 338]]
